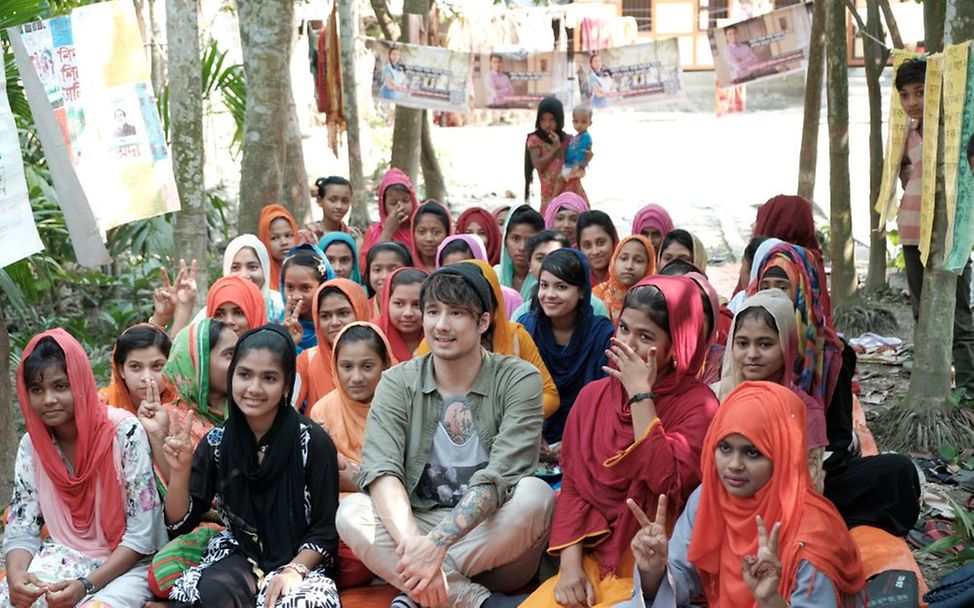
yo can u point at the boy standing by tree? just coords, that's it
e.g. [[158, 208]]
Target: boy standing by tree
[[909, 82]]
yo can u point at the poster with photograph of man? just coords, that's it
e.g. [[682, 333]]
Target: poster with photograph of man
[[762, 47], [630, 76], [422, 77], [519, 79]]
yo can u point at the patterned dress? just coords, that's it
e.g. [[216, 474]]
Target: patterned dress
[[552, 172], [55, 561], [318, 589]]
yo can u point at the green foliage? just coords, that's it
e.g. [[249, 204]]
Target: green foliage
[[962, 533]]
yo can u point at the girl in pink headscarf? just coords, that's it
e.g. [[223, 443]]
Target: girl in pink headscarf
[[562, 214], [397, 202], [653, 222]]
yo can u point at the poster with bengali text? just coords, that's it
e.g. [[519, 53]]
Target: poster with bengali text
[[630, 76], [519, 79], [421, 77], [762, 47], [18, 233], [96, 83]]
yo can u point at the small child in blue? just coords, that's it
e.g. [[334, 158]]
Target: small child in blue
[[579, 151]]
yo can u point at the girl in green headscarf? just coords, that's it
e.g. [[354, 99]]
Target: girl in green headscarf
[[513, 271]]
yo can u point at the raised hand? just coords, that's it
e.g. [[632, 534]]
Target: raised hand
[[178, 448], [152, 414], [186, 288], [650, 545], [163, 300], [636, 374], [762, 573], [292, 316]]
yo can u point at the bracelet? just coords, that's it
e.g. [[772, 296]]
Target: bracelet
[[89, 587], [299, 569], [641, 397]]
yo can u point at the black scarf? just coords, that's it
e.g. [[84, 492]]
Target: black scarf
[[264, 500]]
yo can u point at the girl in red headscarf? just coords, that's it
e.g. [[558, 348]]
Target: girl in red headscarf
[[481, 222], [397, 202], [278, 230], [755, 533], [85, 472], [236, 302], [636, 434]]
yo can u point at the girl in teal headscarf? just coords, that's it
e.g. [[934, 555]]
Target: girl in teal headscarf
[[344, 255], [522, 223]]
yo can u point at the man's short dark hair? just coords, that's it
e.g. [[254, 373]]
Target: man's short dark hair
[[451, 290], [545, 236], [911, 71]]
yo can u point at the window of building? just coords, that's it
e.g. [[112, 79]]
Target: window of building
[[641, 11], [709, 11]]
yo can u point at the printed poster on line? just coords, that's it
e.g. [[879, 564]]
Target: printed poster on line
[[519, 79], [18, 234], [630, 76], [95, 83], [958, 170], [759, 48], [421, 77]]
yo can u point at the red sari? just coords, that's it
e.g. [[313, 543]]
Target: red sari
[[603, 463]]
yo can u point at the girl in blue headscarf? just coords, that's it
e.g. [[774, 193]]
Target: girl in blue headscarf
[[571, 338], [341, 252], [305, 268]]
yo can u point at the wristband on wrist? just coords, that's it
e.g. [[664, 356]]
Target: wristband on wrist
[[89, 587], [641, 397]]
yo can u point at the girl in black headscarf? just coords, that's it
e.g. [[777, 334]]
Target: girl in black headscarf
[[544, 151], [274, 475]]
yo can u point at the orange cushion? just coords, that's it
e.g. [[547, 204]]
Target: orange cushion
[[882, 551]]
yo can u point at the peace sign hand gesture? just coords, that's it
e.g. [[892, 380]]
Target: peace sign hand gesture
[[292, 317], [650, 545], [762, 573], [185, 286], [152, 414], [179, 444], [163, 300]]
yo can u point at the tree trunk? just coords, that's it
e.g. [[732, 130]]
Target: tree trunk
[[813, 104], [8, 420], [386, 23], [894, 30], [265, 39], [876, 59], [844, 280], [160, 65], [432, 174], [934, 12], [348, 32], [295, 173], [408, 130], [928, 416], [186, 127]]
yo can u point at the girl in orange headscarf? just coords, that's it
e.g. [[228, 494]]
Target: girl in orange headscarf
[[633, 259], [335, 304], [236, 302], [755, 533], [279, 232], [360, 355], [139, 355]]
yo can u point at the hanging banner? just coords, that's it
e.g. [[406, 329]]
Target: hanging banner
[[959, 131], [96, 113], [18, 234], [519, 79], [899, 124], [932, 92], [631, 76], [421, 77], [763, 47]]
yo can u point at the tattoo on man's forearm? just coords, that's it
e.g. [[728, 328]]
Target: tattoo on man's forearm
[[476, 506]]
